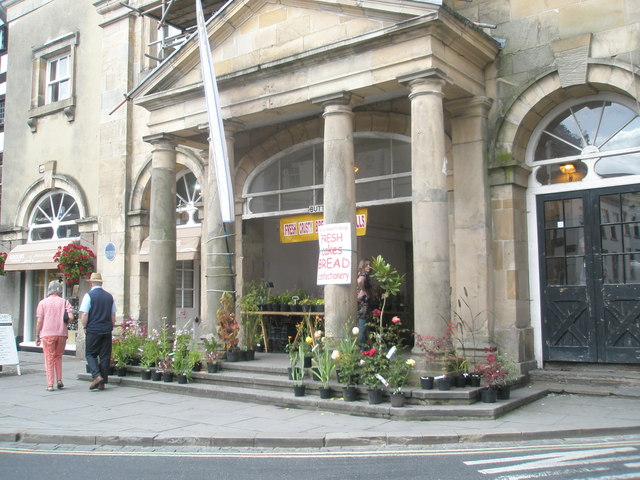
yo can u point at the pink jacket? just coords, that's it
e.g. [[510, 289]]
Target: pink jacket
[[50, 310]]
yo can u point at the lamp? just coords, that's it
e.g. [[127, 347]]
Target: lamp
[[568, 168]]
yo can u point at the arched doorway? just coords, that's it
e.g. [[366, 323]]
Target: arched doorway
[[584, 225]]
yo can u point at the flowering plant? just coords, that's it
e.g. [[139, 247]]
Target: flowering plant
[[348, 358], [74, 262], [323, 360], [296, 360], [3, 258], [150, 353], [372, 365], [398, 372], [228, 328], [211, 346]]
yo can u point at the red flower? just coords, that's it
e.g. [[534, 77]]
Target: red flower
[[369, 353], [376, 313]]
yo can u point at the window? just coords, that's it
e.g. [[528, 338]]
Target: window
[[293, 181], [591, 138], [53, 71], [54, 217], [185, 287], [58, 78], [188, 199]]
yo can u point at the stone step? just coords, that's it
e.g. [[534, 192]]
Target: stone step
[[361, 407]]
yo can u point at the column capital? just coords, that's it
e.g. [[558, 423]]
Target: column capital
[[339, 98], [161, 139], [469, 107], [431, 80]]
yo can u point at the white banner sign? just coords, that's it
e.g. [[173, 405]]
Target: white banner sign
[[334, 262]]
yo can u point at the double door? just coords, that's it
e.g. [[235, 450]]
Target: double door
[[589, 243]]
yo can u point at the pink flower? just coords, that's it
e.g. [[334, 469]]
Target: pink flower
[[395, 319], [376, 313]]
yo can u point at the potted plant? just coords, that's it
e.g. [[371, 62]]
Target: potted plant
[[494, 373], [149, 357], [296, 360], [323, 361], [119, 356], [211, 347], [347, 364], [503, 387], [397, 374], [228, 328], [372, 364], [388, 278]]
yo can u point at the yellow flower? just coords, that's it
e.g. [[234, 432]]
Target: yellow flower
[[309, 340], [411, 362]]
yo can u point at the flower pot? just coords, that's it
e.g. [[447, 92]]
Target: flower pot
[[250, 355], [197, 367], [444, 383], [474, 380], [374, 396], [298, 390], [503, 392], [397, 399], [325, 392], [145, 374], [121, 371], [488, 395], [182, 378], [460, 381], [426, 383], [233, 355], [350, 393], [156, 375], [212, 367], [167, 377]]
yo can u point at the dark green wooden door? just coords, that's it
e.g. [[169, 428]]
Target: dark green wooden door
[[590, 275]]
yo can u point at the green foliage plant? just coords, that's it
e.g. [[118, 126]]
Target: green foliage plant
[[323, 361], [348, 359], [388, 278]]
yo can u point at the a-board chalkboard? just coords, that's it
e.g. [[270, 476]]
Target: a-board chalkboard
[[8, 349]]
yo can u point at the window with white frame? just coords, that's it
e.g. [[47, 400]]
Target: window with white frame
[[54, 217], [185, 285], [293, 181], [188, 199], [58, 78]]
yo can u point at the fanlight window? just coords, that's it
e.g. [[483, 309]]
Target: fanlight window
[[188, 199], [293, 181], [598, 138], [54, 217]]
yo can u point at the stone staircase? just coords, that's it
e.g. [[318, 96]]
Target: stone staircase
[[588, 379], [265, 381]]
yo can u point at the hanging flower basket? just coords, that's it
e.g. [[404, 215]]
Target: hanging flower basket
[[3, 258], [74, 262]]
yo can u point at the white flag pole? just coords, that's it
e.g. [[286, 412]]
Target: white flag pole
[[217, 144]]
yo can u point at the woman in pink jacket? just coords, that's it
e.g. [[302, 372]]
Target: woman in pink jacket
[[51, 331]]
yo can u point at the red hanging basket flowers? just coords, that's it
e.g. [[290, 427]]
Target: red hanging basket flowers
[[3, 259], [74, 262]]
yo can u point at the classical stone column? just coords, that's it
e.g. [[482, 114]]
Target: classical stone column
[[218, 241], [429, 204], [162, 232], [471, 212], [339, 201]]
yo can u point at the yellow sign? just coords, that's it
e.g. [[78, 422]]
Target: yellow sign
[[304, 228]]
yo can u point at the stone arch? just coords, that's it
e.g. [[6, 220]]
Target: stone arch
[[546, 92], [42, 186], [184, 156]]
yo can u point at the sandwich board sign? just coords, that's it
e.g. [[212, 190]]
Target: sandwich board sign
[[8, 349]]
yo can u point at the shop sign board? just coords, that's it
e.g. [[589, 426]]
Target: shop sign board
[[8, 349], [334, 259], [304, 228]]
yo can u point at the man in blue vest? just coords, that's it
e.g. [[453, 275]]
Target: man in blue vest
[[98, 318]]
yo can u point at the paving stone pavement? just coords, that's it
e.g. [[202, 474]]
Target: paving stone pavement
[[124, 415]]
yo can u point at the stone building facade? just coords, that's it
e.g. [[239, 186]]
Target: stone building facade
[[493, 144]]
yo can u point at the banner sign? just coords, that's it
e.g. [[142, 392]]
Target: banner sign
[[304, 228], [334, 262]]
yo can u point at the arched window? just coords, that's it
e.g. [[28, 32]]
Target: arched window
[[592, 138], [188, 199], [54, 217], [292, 181]]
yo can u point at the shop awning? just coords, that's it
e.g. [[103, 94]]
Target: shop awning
[[187, 244], [35, 256]]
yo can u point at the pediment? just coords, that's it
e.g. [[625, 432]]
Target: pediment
[[251, 36]]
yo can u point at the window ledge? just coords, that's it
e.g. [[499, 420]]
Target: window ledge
[[66, 106]]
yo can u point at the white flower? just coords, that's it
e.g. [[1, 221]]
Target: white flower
[[335, 354], [355, 330]]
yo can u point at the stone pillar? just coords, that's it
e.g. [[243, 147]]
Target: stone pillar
[[472, 229], [339, 201], [218, 241], [429, 204], [162, 232]]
